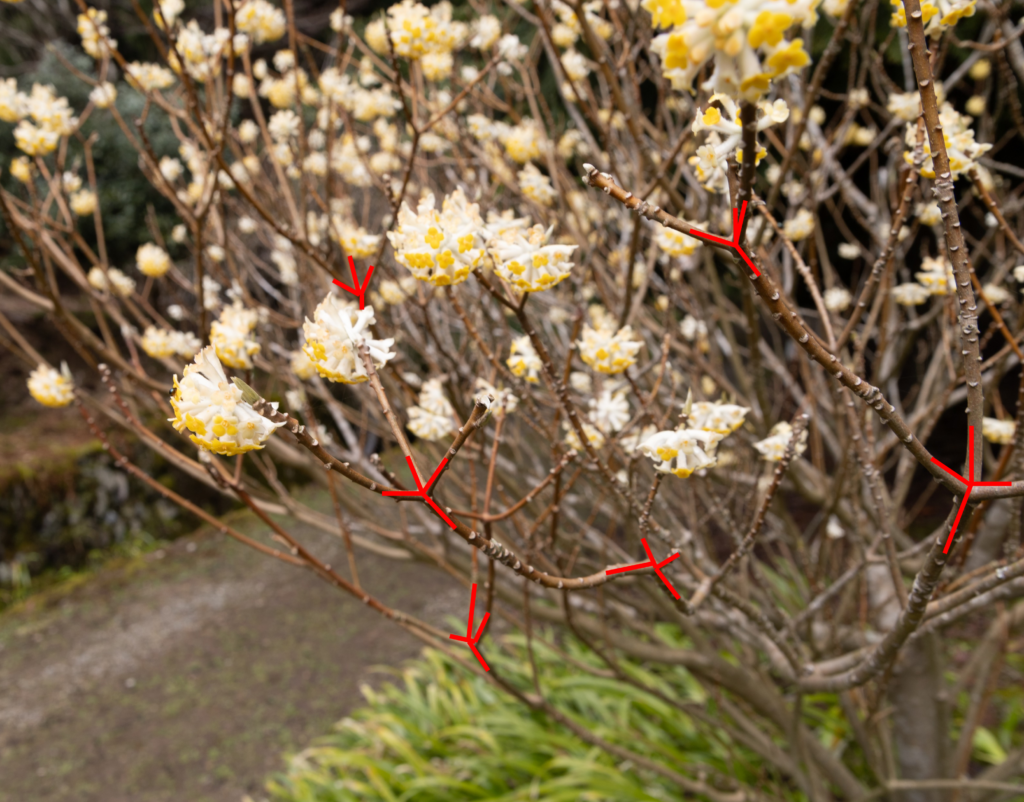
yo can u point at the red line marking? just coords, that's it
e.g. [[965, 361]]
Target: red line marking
[[651, 563], [971, 484], [359, 290], [738, 216], [422, 490], [469, 638]]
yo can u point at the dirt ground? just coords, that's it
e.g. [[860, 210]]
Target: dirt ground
[[190, 673]]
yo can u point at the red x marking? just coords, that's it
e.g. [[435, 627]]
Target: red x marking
[[734, 243], [359, 290], [421, 490], [651, 563], [971, 484], [469, 638]]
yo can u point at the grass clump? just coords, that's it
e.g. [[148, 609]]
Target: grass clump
[[442, 733]]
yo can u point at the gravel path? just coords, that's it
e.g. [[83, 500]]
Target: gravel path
[[190, 673]]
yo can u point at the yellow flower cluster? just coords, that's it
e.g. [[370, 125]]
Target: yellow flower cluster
[[432, 417], [746, 39], [523, 360], [417, 32], [262, 20], [162, 343], [335, 335], [961, 148], [524, 258], [213, 411], [231, 335], [152, 260], [606, 349], [50, 387], [439, 247], [937, 15]]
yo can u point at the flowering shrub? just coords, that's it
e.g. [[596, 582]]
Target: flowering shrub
[[658, 278]]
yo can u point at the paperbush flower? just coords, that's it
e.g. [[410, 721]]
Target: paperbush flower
[[302, 366], [21, 169], [231, 335], [523, 360], [526, 261], [936, 15], [724, 419], [212, 410], [148, 77], [606, 350], [416, 31], [800, 226], [961, 148], [334, 337], [910, 294], [675, 243], [13, 104], [523, 141], [773, 448], [161, 343], [723, 118], [263, 21], [52, 388], [837, 299], [594, 437], [432, 418], [609, 412], [536, 186], [95, 34], [936, 276], [998, 431], [682, 451], [745, 38], [504, 401], [104, 95], [152, 260], [439, 247], [119, 284]]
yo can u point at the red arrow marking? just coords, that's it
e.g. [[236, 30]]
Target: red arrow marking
[[421, 490], [971, 484], [737, 227], [651, 563], [359, 290], [469, 638]]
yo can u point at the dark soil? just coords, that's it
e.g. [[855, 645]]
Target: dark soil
[[189, 673]]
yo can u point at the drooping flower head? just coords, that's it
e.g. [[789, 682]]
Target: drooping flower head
[[119, 283], [439, 247], [231, 335], [432, 418], [504, 401], [152, 260], [998, 431], [745, 38], [606, 349], [524, 258], [334, 337], [162, 343], [50, 387], [936, 276], [212, 410], [609, 412], [523, 360], [937, 15], [714, 417], [773, 448], [961, 148], [682, 451]]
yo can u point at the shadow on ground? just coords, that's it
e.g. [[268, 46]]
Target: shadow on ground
[[188, 674]]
